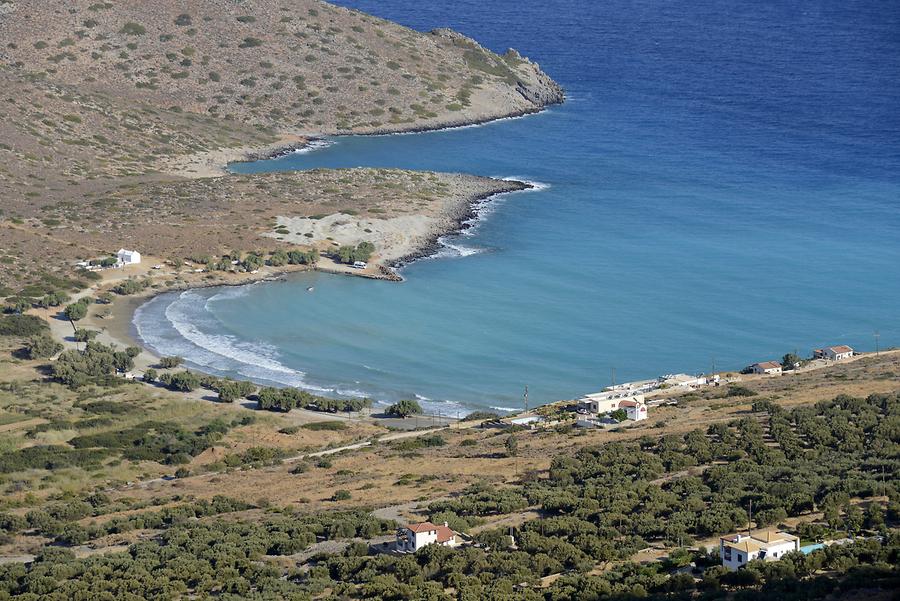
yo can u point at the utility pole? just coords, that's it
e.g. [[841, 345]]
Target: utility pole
[[750, 520], [525, 396], [877, 335], [612, 371]]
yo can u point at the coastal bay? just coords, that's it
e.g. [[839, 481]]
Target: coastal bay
[[674, 232], [308, 303]]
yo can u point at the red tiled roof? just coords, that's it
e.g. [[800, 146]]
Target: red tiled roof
[[444, 534], [628, 404], [843, 348], [768, 365]]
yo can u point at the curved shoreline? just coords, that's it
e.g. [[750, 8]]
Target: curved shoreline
[[308, 139], [464, 217]]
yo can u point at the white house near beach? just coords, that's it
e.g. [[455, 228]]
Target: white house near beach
[[737, 550], [415, 536], [608, 400], [634, 406], [128, 257], [834, 353], [767, 368]]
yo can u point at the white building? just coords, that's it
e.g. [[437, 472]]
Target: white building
[[635, 410], [128, 257], [415, 536], [834, 353], [643, 386], [737, 550], [608, 400], [768, 368], [681, 381]]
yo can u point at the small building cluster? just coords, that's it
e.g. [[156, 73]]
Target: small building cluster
[[415, 536], [629, 397], [737, 550], [774, 368]]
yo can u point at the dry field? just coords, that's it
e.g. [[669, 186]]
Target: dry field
[[386, 474], [397, 477]]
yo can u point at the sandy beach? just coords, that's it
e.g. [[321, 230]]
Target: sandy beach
[[114, 320], [214, 163]]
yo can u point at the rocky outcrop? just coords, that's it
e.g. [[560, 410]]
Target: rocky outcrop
[[541, 91], [529, 80]]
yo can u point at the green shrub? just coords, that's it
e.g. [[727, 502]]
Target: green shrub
[[250, 43], [361, 252], [42, 346], [78, 310], [132, 28], [83, 335], [341, 495], [476, 416], [740, 391], [130, 286], [183, 381], [23, 325], [325, 426], [96, 364], [170, 362], [404, 408], [50, 457]]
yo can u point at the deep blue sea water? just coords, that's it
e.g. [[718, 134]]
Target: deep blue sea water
[[723, 185]]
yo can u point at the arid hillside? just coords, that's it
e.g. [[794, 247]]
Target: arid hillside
[[111, 109], [295, 65]]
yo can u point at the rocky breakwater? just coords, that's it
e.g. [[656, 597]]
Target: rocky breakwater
[[460, 217]]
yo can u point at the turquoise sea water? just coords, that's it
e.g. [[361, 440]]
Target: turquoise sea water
[[723, 185]]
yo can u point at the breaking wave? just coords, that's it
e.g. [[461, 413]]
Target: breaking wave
[[481, 211], [184, 326]]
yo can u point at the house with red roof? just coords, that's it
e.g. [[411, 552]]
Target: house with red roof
[[415, 536], [768, 368], [834, 353], [635, 410]]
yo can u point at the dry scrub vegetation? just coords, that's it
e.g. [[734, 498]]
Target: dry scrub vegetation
[[288, 64], [106, 107]]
